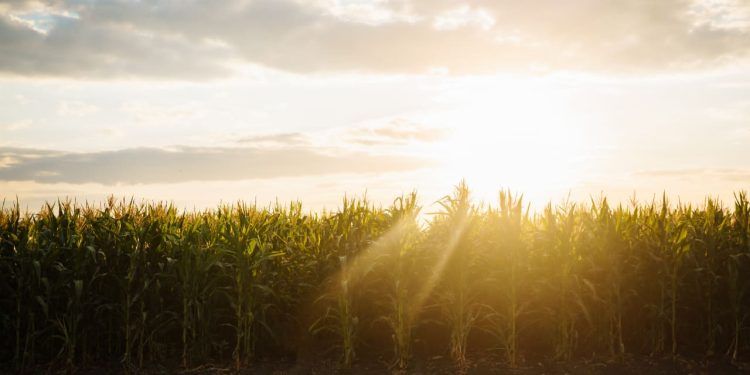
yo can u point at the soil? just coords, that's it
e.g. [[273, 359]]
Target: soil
[[442, 365], [488, 366]]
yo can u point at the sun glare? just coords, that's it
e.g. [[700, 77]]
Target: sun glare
[[501, 137]]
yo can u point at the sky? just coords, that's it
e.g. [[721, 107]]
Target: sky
[[203, 102]]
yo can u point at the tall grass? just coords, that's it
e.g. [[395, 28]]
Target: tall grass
[[145, 283]]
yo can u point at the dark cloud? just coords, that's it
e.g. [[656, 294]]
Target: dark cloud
[[195, 39], [151, 165], [78, 48]]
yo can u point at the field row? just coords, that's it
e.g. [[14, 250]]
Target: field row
[[146, 283]]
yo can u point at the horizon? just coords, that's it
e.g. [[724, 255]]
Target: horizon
[[426, 208]]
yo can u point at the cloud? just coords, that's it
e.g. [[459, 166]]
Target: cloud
[[75, 109], [181, 164], [17, 125], [199, 40], [27, 153], [143, 112], [277, 139], [85, 48], [398, 131], [700, 174]]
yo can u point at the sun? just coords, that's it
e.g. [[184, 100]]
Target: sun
[[526, 140]]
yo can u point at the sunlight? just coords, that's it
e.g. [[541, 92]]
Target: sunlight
[[513, 135], [172, 174], [437, 269]]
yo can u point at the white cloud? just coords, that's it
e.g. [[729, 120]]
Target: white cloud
[[462, 17], [721, 14], [17, 125], [76, 109], [394, 132], [149, 113]]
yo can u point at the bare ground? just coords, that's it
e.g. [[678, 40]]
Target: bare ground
[[484, 365]]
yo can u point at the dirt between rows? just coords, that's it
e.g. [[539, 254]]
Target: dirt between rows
[[481, 365]]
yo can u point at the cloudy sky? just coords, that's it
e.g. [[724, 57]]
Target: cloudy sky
[[200, 102]]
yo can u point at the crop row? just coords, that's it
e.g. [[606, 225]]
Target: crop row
[[147, 283]]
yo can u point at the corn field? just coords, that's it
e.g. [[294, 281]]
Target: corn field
[[143, 283]]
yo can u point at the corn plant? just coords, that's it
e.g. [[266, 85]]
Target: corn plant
[[558, 236], [605, 237], [354, 230], [737, 268], [506, 232], [242, 237], [665, 237], [708, 227], [400, 264], [19, 270], [453, 230]]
